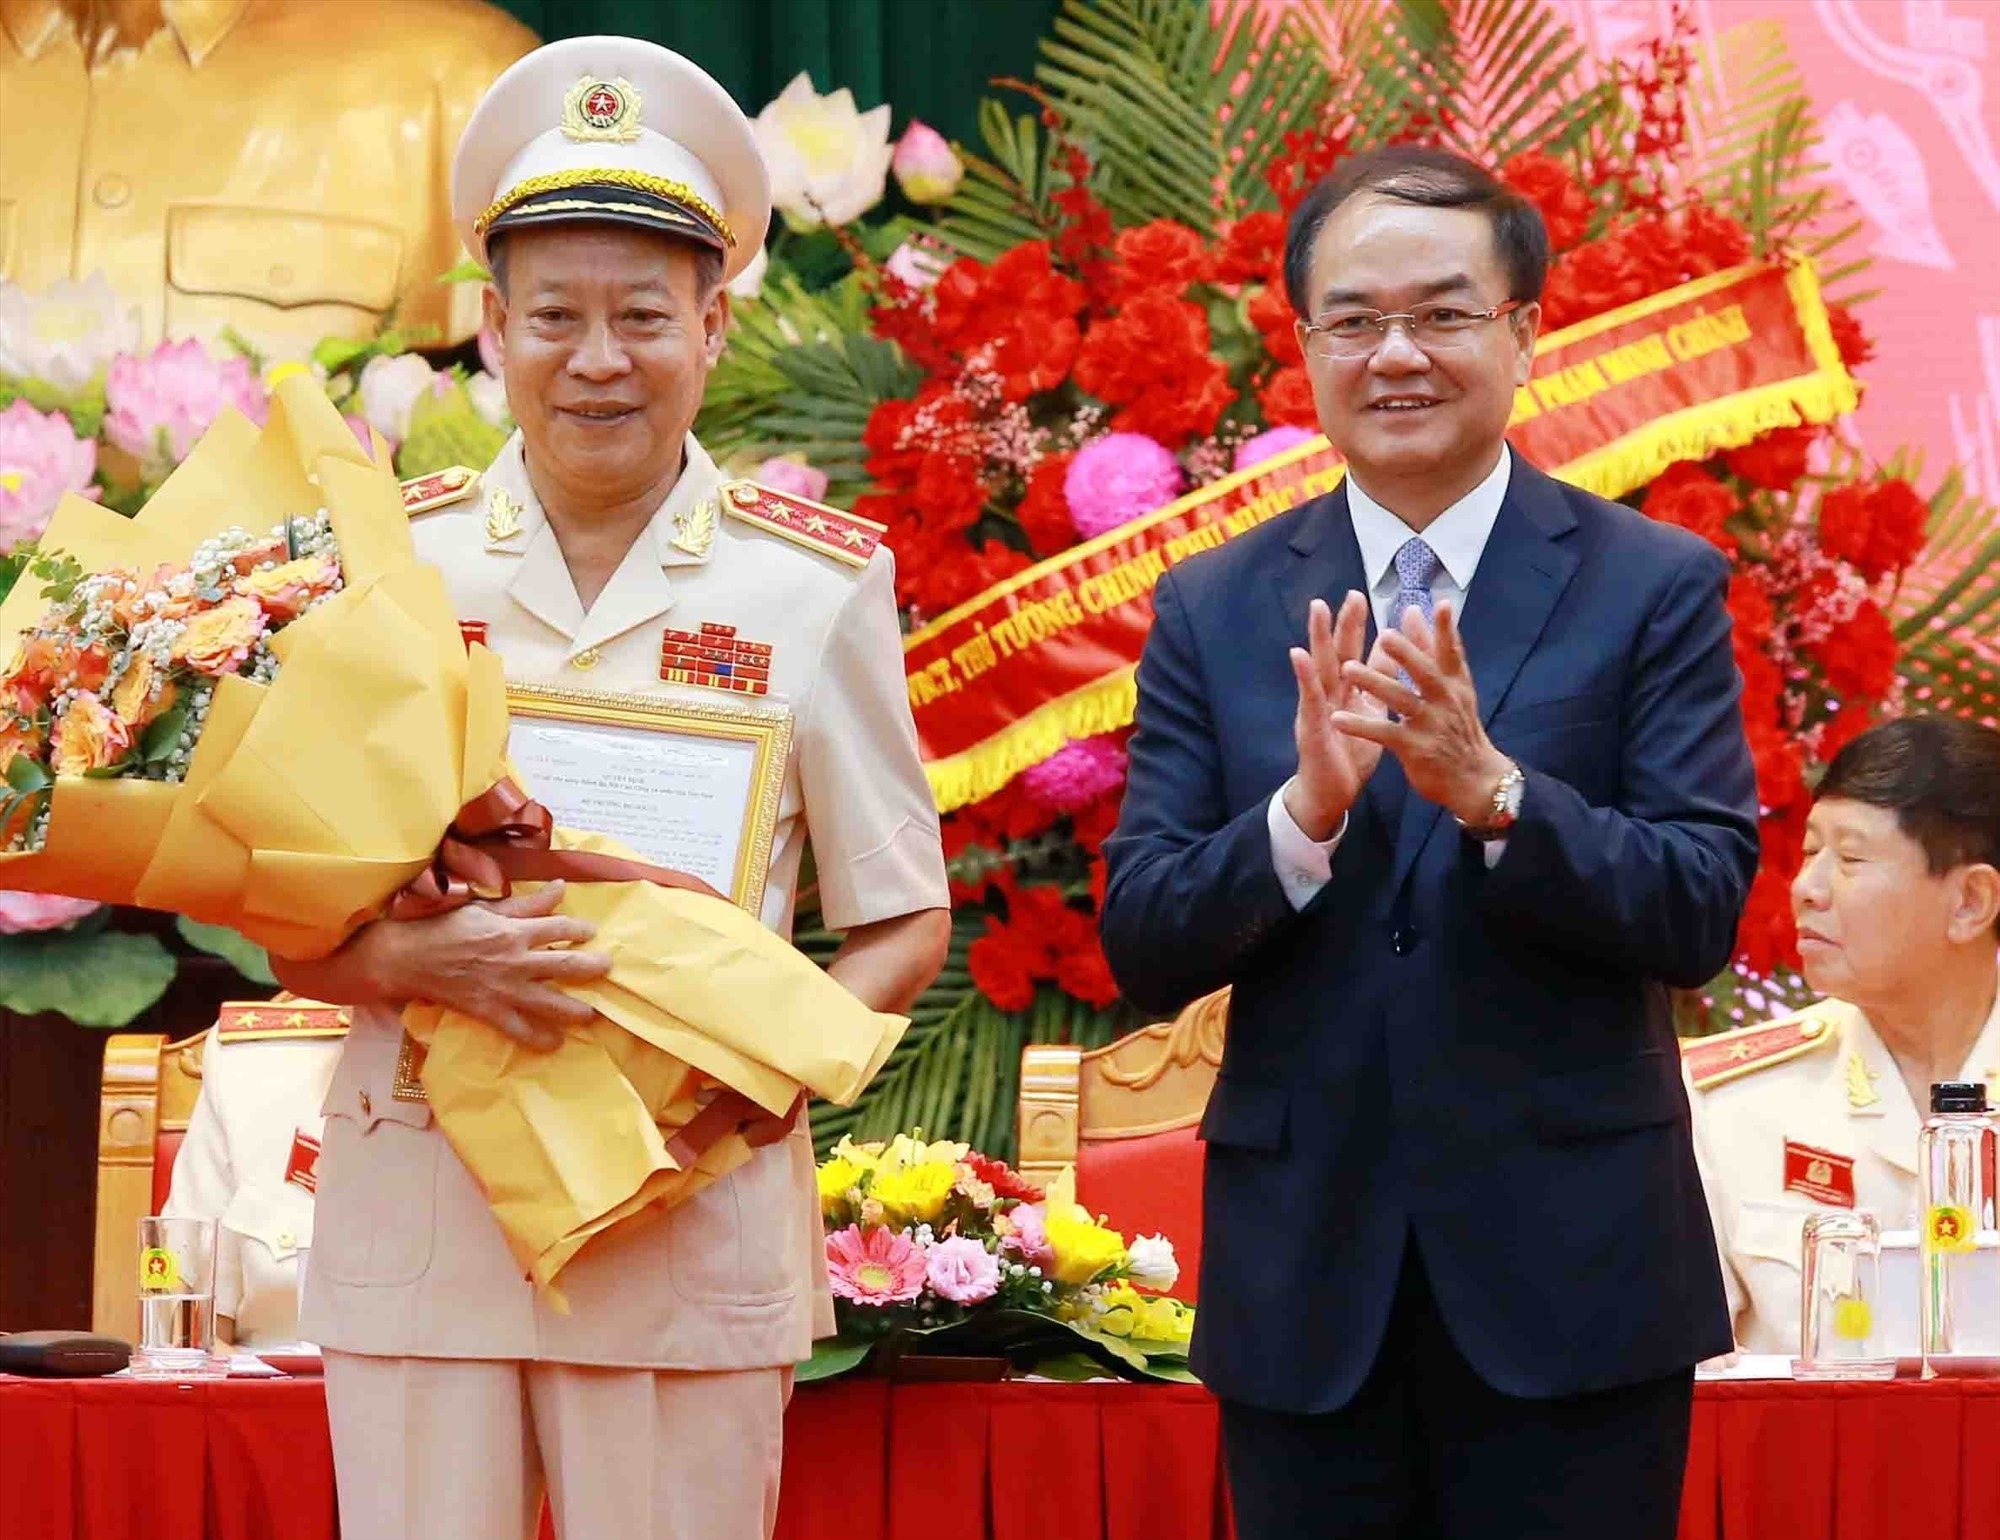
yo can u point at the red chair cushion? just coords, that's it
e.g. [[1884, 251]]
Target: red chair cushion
[[1148, 1186], [165, 1148]]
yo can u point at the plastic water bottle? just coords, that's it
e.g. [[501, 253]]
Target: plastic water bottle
[[1955, 1173]]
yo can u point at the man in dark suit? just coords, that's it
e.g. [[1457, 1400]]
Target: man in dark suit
[[1458, 1266]]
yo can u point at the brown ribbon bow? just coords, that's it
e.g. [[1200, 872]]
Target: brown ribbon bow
[[501, 837]]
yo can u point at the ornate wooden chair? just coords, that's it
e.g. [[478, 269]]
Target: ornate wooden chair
[[148, 1094], [1125, 1116]]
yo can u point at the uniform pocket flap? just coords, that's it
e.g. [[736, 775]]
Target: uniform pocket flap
[[281, 257], [1246, 1115], [279, 1218], [1610, 1098]]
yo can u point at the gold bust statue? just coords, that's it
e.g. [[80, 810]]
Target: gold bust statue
[[276, 166]]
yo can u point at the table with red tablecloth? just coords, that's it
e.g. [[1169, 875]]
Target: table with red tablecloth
[[870, 1460]]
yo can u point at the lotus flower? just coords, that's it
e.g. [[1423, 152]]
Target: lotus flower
[[23, 912], [390, 389], [829, 162], [926, 168], [66, 334], [167, 398], [793, 476], [40, 459]]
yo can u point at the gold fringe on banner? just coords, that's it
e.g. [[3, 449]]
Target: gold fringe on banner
[[1103, 706]]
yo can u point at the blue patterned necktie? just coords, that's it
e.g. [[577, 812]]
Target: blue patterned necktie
[[1417, 567]]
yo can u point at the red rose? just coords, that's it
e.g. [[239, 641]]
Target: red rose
[[1750, 609], [1252, 247], [1846, 524], [1711, 241], [1858, 656], [1162, 254], [1565, 207], [1898, 526], [1083, 973], [1044, 510], [1093, 825], [1592, 279], [1687, 495], [1287, 399], [1152, 361], [1271, 313], [948, 491], [1000, 966], [1780, 766], [1774, 461], [1855, 348]]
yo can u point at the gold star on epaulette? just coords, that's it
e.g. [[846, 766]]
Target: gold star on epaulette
[[845, 537], [1711, 1061]]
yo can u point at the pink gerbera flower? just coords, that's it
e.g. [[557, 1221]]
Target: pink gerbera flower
[[874, 1267]]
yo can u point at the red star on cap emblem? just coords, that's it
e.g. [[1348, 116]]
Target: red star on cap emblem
[[602, 105]]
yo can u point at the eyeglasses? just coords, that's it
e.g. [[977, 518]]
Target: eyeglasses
[[1433, 328]]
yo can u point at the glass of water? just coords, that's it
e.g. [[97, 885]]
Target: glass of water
[[1840, 1335], [177, 1300]]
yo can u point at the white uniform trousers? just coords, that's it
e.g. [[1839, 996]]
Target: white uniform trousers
[[463, 1449]]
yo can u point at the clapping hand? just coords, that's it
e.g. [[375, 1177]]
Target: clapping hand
[[1446, 755], [1333, 764]]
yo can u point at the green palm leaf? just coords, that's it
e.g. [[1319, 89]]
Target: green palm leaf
[[1946, 610]]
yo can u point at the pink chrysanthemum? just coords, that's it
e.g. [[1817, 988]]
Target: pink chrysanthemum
[[1077, 774], [1118, 478], [875, 1266], [1272, 441]]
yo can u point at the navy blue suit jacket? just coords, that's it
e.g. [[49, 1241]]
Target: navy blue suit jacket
[[1483, 1060]]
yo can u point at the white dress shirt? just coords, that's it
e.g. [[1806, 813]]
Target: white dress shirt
[[1458, 536]]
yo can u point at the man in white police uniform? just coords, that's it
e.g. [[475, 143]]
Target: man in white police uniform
[[1897, 903], [613, 188]]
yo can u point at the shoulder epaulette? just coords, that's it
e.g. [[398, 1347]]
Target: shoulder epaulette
[[255, 1021], [1711, 1061], [843, 536], [440, 489]]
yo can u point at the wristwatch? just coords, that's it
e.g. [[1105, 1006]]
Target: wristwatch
[[1505, 809]]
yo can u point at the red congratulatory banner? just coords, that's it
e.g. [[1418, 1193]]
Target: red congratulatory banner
[[1003, 681]]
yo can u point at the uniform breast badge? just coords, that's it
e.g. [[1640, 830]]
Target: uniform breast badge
[[714, 658], [1825, 1176], [503, 515], [694, 528]]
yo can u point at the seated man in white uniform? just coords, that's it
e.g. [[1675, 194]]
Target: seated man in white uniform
[[1897, 905], [250, 1158]]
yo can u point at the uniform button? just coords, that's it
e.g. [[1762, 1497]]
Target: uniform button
[[1403, 941], [286, 1240], [367, 1107], [112, 192], [587, 659]]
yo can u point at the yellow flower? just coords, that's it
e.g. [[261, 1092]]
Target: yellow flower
[[913, 1194], [1083, 1248], [218, 641], [88, 736], [1128, 1313], [905, 1150], [837, 1178], [865, 1157]]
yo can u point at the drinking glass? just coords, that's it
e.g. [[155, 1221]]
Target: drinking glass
[[177, 1300], [1839, 1296]]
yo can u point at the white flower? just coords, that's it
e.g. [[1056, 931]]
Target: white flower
[[489, 399], [66, 334], [829, 163], [390, 388], [749, 283], [1150, 1263]]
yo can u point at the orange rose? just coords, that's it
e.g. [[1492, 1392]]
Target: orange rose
[[218, 641], [85, 668], [129, 608], [144, 692], [246, 562], [18, 738], [88, 737], [285, 591]]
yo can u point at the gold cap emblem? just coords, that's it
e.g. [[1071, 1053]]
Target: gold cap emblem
[[601, 111]]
